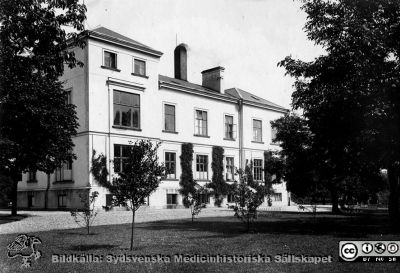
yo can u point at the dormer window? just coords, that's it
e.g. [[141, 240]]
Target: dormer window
[[110, 59], [139, 67]]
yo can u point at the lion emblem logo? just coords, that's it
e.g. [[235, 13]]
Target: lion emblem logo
[[24, 246]]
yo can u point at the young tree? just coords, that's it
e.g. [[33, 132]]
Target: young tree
[[36, 124], [85, 217], [195, 201], [350, 95], [140, 176]]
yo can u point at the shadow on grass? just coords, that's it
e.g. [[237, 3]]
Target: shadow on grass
[[9, 218], [92, 247], [355, 226]]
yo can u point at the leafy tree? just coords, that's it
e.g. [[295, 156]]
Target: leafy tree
[[85, 217], [247, 197], [36, 124], [273, 172], [350, 95], [141, 175], [218, 184], [187, 182]]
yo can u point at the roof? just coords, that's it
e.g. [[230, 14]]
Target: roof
[[231, 94], [112, 36]]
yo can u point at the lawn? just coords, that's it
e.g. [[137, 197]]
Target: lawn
[[274, 233]]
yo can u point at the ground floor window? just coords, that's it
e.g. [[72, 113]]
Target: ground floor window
[[202, 167], [257, 169], [277, 197], [62, 199], [205, 198], [31, 199], [230, 198], [172, 199]]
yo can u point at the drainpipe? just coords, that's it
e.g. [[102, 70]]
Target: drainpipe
[[240, 106]]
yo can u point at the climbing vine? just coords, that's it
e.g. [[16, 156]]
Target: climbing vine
[[186, 182], [218, 184]]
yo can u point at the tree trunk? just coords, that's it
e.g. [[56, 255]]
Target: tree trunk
[[46, 194], [335, 201], [133, 225], [393, 206], [14, 195]]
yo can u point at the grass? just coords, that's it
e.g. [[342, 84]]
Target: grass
[[274, 233]]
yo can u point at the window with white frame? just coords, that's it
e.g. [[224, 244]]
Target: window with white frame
[[172, 199], [257, 169], [257, 130], [229, 127], [230, 169], [139, 67], [169, 117], [202, 167], [110, 59], [120, 157], [126, 109], [64, 173], [170, 165], [201, 123]]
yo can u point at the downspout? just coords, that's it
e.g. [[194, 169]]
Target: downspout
[[109, 131], [240, 105]]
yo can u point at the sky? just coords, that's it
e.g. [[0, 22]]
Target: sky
[[247, 37]]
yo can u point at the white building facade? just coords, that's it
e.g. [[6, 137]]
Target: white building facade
[[120, 98]]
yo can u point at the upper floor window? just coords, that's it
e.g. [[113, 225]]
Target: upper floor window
[[257, 130], [201, 123], [126, 109], [230, 169], [169, 118], [273, 134], [120, 157], [170, 164], [110, 59], [257, 169], [229, 127], [202, 167], [64, 173], [139, 67]]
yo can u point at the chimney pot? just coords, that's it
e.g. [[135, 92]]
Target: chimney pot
[[213, 78]]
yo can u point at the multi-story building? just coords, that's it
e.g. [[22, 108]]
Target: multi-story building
[[121, 98]]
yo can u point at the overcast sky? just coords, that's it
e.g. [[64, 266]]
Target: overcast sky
[[247, 37]]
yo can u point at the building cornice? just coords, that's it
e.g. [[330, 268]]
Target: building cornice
[[126, 84]]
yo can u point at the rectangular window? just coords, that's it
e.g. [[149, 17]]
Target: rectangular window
[[202, 167], [110, 59], [204, 198], [68, 97], [273, 134], [64, 173], [139, 67], [120, 157], [62, 199], [170, 164], [229, 127], [169, 118], [277, 197], [201, 123], [31, 199], [230, 198], [109, 198], [32, 176], [126, 109], [257, 130], [172, 199], [230, 169], [257, 169]]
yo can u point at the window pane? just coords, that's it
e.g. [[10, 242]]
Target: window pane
[[125, 115], [126, 99], [229, 119], [169, 109], [140, 67], [125, 150], [117, 115], [117, 150], [136, 100], [116, 97], [135, 118]]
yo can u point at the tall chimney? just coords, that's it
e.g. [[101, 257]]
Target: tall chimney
[[213, 78], [180, 57]]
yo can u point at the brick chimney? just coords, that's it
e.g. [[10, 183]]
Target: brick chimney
[[180, 62], [213, 78]]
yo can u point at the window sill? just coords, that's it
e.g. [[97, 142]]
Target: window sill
[[63, 181], [201, 136], [274, 143], [127, 128], [110, 68], [31, 181], [169, 132], [230, 139], [139, 75], [259, 142]]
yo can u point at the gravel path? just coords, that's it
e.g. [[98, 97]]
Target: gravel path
[[52, 220]]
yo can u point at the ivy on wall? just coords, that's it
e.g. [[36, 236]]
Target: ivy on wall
[[186, 182], [99, 169], [218, 184]]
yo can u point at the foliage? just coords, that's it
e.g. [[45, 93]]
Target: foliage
[[36, 124], [195, 202], [141, 176], [273, 172], [187, 182], [99, 169], [86, 216], [246, 198], [218, 184], [350, 96]]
